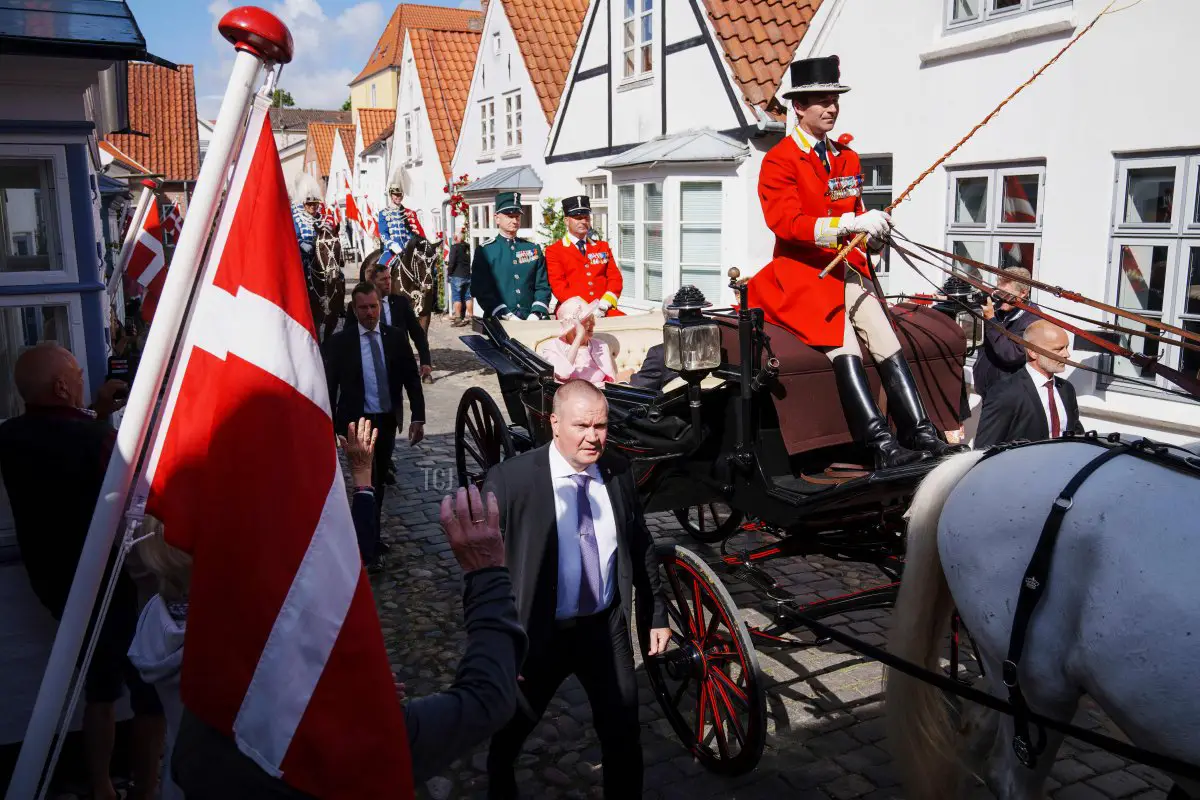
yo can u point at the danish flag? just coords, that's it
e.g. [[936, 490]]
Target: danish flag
[[173, 224], [284, 651], [147, 266], [352, 214]]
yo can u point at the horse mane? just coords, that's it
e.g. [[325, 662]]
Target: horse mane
[[371, 259]]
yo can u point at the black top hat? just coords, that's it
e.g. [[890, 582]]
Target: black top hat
[[576, 206], [816, 75]]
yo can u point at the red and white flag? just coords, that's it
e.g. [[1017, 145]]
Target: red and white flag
[[284, 652], [147, 268], [173, 224], [352, 214]]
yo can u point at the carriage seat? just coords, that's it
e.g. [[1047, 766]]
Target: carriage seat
[[629, 337]]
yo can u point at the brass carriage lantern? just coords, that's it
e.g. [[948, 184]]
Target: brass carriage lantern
[[691, 341]]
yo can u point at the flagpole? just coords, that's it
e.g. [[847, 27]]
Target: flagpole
[[260, 39], [135, 225]]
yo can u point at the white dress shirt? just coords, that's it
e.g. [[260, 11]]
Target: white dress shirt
[[1039, 383], [370, 379], [566, 512]]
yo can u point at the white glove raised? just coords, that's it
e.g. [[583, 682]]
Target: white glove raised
[[306, 247], [395, 248], [601, 310], [874, 223]]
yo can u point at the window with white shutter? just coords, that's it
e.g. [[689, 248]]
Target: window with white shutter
[[627, 236], [652, 243], [700, 237]]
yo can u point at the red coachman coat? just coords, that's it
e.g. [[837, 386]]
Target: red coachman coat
[[802, 203], [595, 276]]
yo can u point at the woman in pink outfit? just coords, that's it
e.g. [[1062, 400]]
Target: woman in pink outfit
[[575, 354]]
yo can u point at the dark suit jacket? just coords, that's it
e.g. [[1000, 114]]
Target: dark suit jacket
[[523, 492], [459, 264], [653, 373], [343, 371], [405, 319], [1013, 410], [1001, 356]]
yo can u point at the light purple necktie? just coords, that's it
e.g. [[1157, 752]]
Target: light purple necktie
[[591, 589]]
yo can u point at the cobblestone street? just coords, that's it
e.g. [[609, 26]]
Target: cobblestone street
[[825, 726]]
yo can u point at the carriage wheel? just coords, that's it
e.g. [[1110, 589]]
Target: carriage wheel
[[710, 522], [708, 682], [481, 437]]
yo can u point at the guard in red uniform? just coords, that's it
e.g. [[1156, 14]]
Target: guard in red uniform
[[811, 193], [580, 267]]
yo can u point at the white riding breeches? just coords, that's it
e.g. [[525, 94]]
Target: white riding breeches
[[867, 320]]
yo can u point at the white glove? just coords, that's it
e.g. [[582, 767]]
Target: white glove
[[306, 247], [875, 224], [602, 308], [395, 248]]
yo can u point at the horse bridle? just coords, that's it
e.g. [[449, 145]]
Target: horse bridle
[[420, 279]]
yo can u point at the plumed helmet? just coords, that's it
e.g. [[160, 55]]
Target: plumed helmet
[[307, 189], [398, 180]]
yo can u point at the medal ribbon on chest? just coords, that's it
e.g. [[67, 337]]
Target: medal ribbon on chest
[[847, 186]]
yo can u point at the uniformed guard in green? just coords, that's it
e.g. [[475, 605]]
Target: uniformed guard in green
[[508, 273]]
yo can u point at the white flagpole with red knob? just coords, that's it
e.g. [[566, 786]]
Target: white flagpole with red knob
[[261, 41]]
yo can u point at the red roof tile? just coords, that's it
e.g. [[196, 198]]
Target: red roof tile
[[162, 104], [321, 135], [373, 121], [390, 47], [546, 33], [445, 61], [760, 39], [347, 134]]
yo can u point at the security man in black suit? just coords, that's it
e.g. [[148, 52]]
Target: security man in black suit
[[577, 545], [368, 367], [1034, 403], [397, 311], [1000, 356]]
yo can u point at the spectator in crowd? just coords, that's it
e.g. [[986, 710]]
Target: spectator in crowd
[[157, 648], [1034, 403], [441, 727], [459, 268], [368, 368], [53, 459], [577, 545], [653, 373], [576, 353], [1002, 356], [396, 310]]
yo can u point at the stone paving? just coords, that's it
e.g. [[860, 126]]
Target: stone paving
[[825, 726]]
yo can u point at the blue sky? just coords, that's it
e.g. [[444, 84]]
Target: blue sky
[[332, 38]]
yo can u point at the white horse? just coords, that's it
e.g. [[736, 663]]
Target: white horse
[[1119, 619]]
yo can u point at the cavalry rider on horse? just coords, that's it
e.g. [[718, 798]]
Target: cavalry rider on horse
[[811, 193], [398, 225], [307, 219]]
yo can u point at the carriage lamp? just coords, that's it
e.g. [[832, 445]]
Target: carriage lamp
[[691, 342]]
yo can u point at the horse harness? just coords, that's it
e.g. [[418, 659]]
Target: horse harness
[[1037, 573]]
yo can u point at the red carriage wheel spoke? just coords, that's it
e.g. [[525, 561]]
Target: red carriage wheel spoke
[[728, 684], [718, 724], [701, 714], [730, 714], [714, 623], [698, 599], [681, 600]]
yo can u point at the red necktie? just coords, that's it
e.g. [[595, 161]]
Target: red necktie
[[1055, 424]]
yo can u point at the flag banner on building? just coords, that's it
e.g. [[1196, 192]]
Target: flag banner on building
[[147, 270], [173, 223], [284, 651]]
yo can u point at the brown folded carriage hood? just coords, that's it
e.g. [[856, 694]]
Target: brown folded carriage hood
[[806, 394]]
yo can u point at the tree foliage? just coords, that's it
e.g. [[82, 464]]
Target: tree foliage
[[346, 105], [282, 99]]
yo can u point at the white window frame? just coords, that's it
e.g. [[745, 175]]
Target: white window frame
[[992, 231], [714, 268], [373, 96], [636, 288], [408, 137], [487, 126], [1180, 236], [496, 43], [879, 191], [987, 14], [513, 122], [77, 343], [640, 12], [64, 266], [596, 190]]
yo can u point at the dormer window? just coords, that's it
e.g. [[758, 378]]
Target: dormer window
[[638, 38]]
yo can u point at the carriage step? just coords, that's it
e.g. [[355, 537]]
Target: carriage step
[[759, 579]]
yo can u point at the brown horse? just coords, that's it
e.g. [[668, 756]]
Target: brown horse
[[414, 274], [327, 288]]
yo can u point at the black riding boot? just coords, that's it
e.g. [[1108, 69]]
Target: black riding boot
[[904, 403], [866, 422]]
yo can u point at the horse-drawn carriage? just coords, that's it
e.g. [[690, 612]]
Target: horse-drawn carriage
[[750, 435]]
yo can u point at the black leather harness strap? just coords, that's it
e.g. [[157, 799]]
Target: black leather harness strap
[[1033, 586]]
